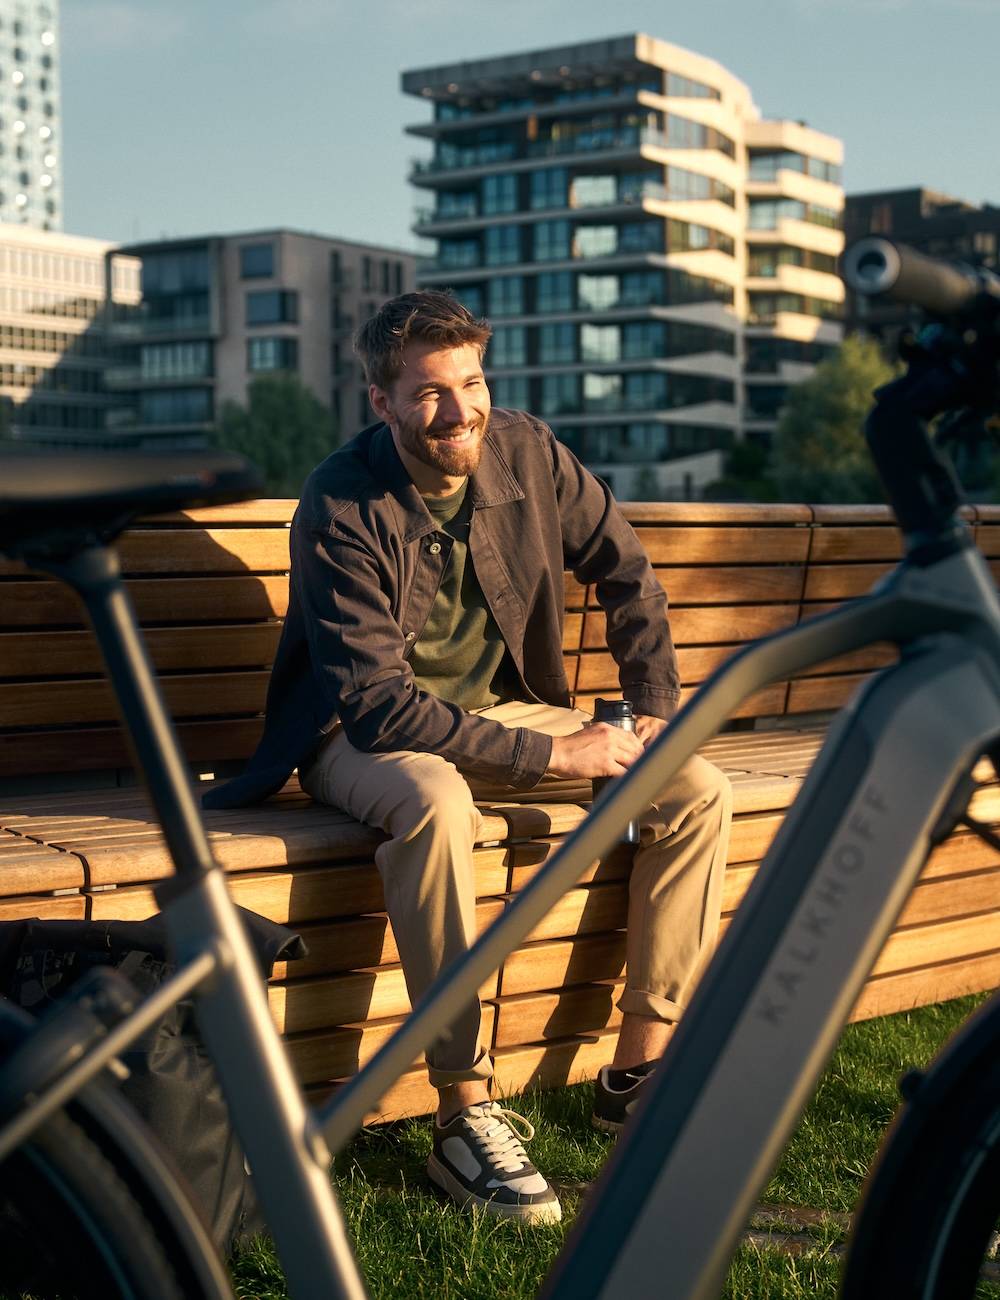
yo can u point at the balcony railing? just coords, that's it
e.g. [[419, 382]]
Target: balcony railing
[[585, 142]]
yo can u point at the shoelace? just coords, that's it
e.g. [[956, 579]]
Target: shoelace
[[499, 1137]]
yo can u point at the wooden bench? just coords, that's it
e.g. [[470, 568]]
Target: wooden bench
[[77, 839]]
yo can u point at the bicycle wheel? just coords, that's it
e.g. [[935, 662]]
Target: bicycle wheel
[[930, 1213], [88, 1208]]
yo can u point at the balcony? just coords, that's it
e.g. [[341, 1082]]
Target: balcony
[[524, 153]]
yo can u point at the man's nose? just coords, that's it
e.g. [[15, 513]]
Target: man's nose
[[456, 407]]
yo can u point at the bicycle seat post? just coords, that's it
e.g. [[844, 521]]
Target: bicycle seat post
[[95, 574]]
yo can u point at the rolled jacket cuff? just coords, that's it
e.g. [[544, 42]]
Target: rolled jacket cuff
[[481, 1068], [640, 1002]]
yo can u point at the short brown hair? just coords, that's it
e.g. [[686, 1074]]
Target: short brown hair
[[427, 316]]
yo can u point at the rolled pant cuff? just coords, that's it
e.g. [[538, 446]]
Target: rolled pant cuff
[[481, 1068], [639, 1002]]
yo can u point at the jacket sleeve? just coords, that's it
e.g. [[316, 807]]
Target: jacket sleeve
[[601, 547], [356, 650]]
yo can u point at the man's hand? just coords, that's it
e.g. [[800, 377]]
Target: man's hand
[[596, 750], [647, 728]]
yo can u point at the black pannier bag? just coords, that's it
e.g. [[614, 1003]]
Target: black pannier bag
[[171, 1081]]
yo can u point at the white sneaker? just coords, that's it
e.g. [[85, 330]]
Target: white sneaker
[[478, 1160]]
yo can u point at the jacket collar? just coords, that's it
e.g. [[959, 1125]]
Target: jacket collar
[[493, 483]]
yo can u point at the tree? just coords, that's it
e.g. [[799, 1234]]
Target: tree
[[745, 476], [819, 451], [284, 429]]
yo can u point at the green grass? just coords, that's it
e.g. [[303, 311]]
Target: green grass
[[411, 1244]]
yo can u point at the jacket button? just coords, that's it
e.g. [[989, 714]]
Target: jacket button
[[435, 548], [410, 636]]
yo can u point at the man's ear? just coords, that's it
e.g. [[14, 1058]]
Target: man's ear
[[379, 399]]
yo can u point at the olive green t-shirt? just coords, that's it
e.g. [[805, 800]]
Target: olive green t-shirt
[[460, 655]]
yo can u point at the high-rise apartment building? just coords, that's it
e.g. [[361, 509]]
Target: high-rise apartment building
[[30, 125], [53, 341], [218, 310], [656, 259]]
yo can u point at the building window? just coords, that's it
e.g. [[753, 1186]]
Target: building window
[[602, 392], [472, 299], [272, 307], [593, 192], [256, 260], [508, 346], [551, 241], [506, 295], [548, 188], [502, 245], [164, 273], [175, 360], [454, 253], [600, 343], [560, 394], [511, 392], [595, 241], [554, 291], [265, 354], [557, 343], [598, 292], [645, 390], [367, 275], [175, 406], [499, 193]]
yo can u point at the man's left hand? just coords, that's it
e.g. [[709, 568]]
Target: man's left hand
[[648, 728]]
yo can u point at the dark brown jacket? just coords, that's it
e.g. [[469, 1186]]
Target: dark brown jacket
[[366, 562]]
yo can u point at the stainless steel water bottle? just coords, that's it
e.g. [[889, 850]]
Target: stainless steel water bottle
[[617, 713]]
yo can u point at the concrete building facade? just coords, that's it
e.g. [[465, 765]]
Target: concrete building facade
[[30, 119], [595, 202], [54, 346], [218, 310]]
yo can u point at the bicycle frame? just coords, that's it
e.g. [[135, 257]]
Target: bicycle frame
[[768, 1010]]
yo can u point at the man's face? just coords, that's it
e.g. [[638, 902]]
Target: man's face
[[438, 407]]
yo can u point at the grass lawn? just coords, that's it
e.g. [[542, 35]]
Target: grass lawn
[[411, 1244]]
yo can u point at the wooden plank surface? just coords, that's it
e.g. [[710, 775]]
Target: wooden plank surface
[[707, 625], [44, 603], [722, 545], [39, 704], [54, 654]]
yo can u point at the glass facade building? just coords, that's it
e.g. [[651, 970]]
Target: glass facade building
[[599, 203], [30, 121]]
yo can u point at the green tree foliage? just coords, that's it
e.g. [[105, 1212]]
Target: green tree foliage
[[284, 429], [746, 476], [819, 453]]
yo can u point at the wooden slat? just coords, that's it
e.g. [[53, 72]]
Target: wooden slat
[[765, 703], [903, 990], [97, 748], [714, 584], [836, 582], [551, 963], [712, 512], [598, 671], [339, 1053], [988, 539], [855, 542], [68, 907], [262, 510], [720, 545], [813, 694], [90, 700], [50, 654], [711, 624], [531, 1017], [31, 603]]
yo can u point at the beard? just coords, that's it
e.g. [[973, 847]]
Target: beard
[[428, 446]]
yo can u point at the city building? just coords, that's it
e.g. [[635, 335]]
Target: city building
[[218, 310], [53, 342], [30, 125], [934, 223], [597, 203]]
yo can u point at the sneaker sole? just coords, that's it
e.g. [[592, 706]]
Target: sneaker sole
[[606, 1125], [546, 1212]]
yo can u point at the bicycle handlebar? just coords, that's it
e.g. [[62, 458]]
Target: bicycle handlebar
[[879, 267]]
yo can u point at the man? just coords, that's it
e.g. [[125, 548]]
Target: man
[[422, 656]]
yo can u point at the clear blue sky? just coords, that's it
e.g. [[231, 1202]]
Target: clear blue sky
[[193, 116]]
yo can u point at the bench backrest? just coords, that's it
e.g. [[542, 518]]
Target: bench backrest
[[211, 588]]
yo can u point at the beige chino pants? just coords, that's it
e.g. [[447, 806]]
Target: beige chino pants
[[426, 807]]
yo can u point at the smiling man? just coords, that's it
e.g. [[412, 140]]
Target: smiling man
[[421, 664]]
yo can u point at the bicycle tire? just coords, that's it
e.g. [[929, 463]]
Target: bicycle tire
[[932, 1201], [71, 1226], [90, 1207]]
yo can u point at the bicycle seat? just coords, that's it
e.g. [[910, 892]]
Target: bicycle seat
[[54, 500]]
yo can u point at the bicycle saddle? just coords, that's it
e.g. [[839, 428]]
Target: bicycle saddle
[[55, 501]]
